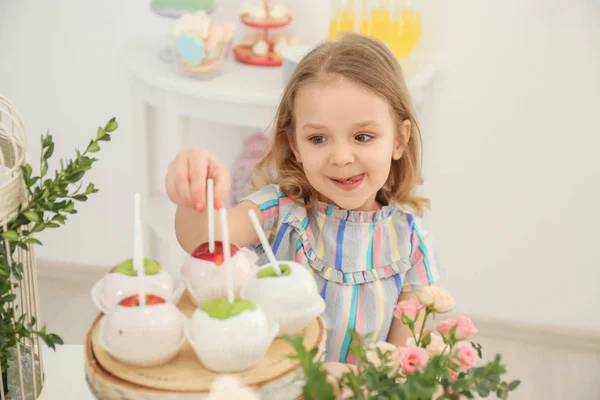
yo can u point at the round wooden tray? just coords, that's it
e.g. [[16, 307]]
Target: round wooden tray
[[185, 378]]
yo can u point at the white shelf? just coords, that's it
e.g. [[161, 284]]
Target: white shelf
[[242, 95]]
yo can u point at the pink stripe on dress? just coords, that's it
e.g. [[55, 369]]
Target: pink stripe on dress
[[418, 256]]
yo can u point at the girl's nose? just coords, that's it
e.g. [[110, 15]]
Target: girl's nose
[[342, 156]]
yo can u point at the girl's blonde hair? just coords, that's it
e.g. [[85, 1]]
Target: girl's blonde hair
[[364, 61]]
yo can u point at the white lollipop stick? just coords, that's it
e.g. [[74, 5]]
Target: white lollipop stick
[[210, 205], [138, 252], [263, 240], [227, 253]]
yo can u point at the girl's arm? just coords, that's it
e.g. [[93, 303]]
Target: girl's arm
[[399, 332], [191, 226]]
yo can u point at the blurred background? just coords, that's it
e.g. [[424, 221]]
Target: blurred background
[[508, 94]]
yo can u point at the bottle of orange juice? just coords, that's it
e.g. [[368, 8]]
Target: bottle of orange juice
[[405, 32], [376, 19], [343, 19]]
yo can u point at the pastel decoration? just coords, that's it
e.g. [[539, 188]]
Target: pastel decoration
[[190, 49], [228, 31], [199, 23], [215, 36]]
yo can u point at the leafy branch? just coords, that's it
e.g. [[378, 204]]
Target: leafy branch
[[50, 202]]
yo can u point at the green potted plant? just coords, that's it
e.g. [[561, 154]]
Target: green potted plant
[[47, 204]]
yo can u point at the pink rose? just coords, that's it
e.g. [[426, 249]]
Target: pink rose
[[466, 355], [412, 358], [410, 308], [453, 375], [464, 328], [444, 327]]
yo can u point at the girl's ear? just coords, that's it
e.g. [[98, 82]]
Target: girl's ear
[[402, 139]]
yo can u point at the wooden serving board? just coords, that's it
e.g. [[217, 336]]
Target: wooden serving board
[[185, 378]]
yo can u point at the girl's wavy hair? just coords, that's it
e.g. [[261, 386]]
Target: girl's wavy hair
[[364, 61]]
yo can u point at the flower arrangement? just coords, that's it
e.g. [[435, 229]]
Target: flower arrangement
[[432, 365]]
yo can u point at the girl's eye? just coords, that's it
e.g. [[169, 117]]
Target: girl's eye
[[317, 139], [363, 137]]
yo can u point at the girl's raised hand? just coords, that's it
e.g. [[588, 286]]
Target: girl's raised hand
[[187, 175]]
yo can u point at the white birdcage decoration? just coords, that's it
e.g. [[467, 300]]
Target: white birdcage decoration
[[25, 365]]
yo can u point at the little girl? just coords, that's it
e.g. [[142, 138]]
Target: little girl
[[336, 191]]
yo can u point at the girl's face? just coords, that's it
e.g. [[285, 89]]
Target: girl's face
[[346, 138]]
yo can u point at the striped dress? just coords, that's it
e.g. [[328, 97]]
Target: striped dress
[[361, 261]]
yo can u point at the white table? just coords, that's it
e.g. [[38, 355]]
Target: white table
[[242, 96], [65, 373]]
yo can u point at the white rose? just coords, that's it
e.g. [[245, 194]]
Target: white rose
[[410, 342], [436, 298], [437, 345], [426, 296], [384, 347]]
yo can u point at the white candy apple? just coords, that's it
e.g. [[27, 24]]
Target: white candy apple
[[122, 281], [205, 276], [147, 335], [291, 299], [230, 337]]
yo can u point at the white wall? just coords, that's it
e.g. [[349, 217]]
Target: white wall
[[510, 148]]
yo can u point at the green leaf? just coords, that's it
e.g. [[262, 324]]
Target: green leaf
[[49, 151], [11, 236], [44, 168], [32, 216], [32, 240], [105, 138], [47, 140], [69, 207], [111, 126], [26, 170], [91, 189], [80, 197], [38, 227], [76, 177], [100, 133], [93, 147], [426, 340], [8, 298], [21, 245], [513, 385], [453, 332]]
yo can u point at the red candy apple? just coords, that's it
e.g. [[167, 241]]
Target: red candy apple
[[201, 252], [134, 301]]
